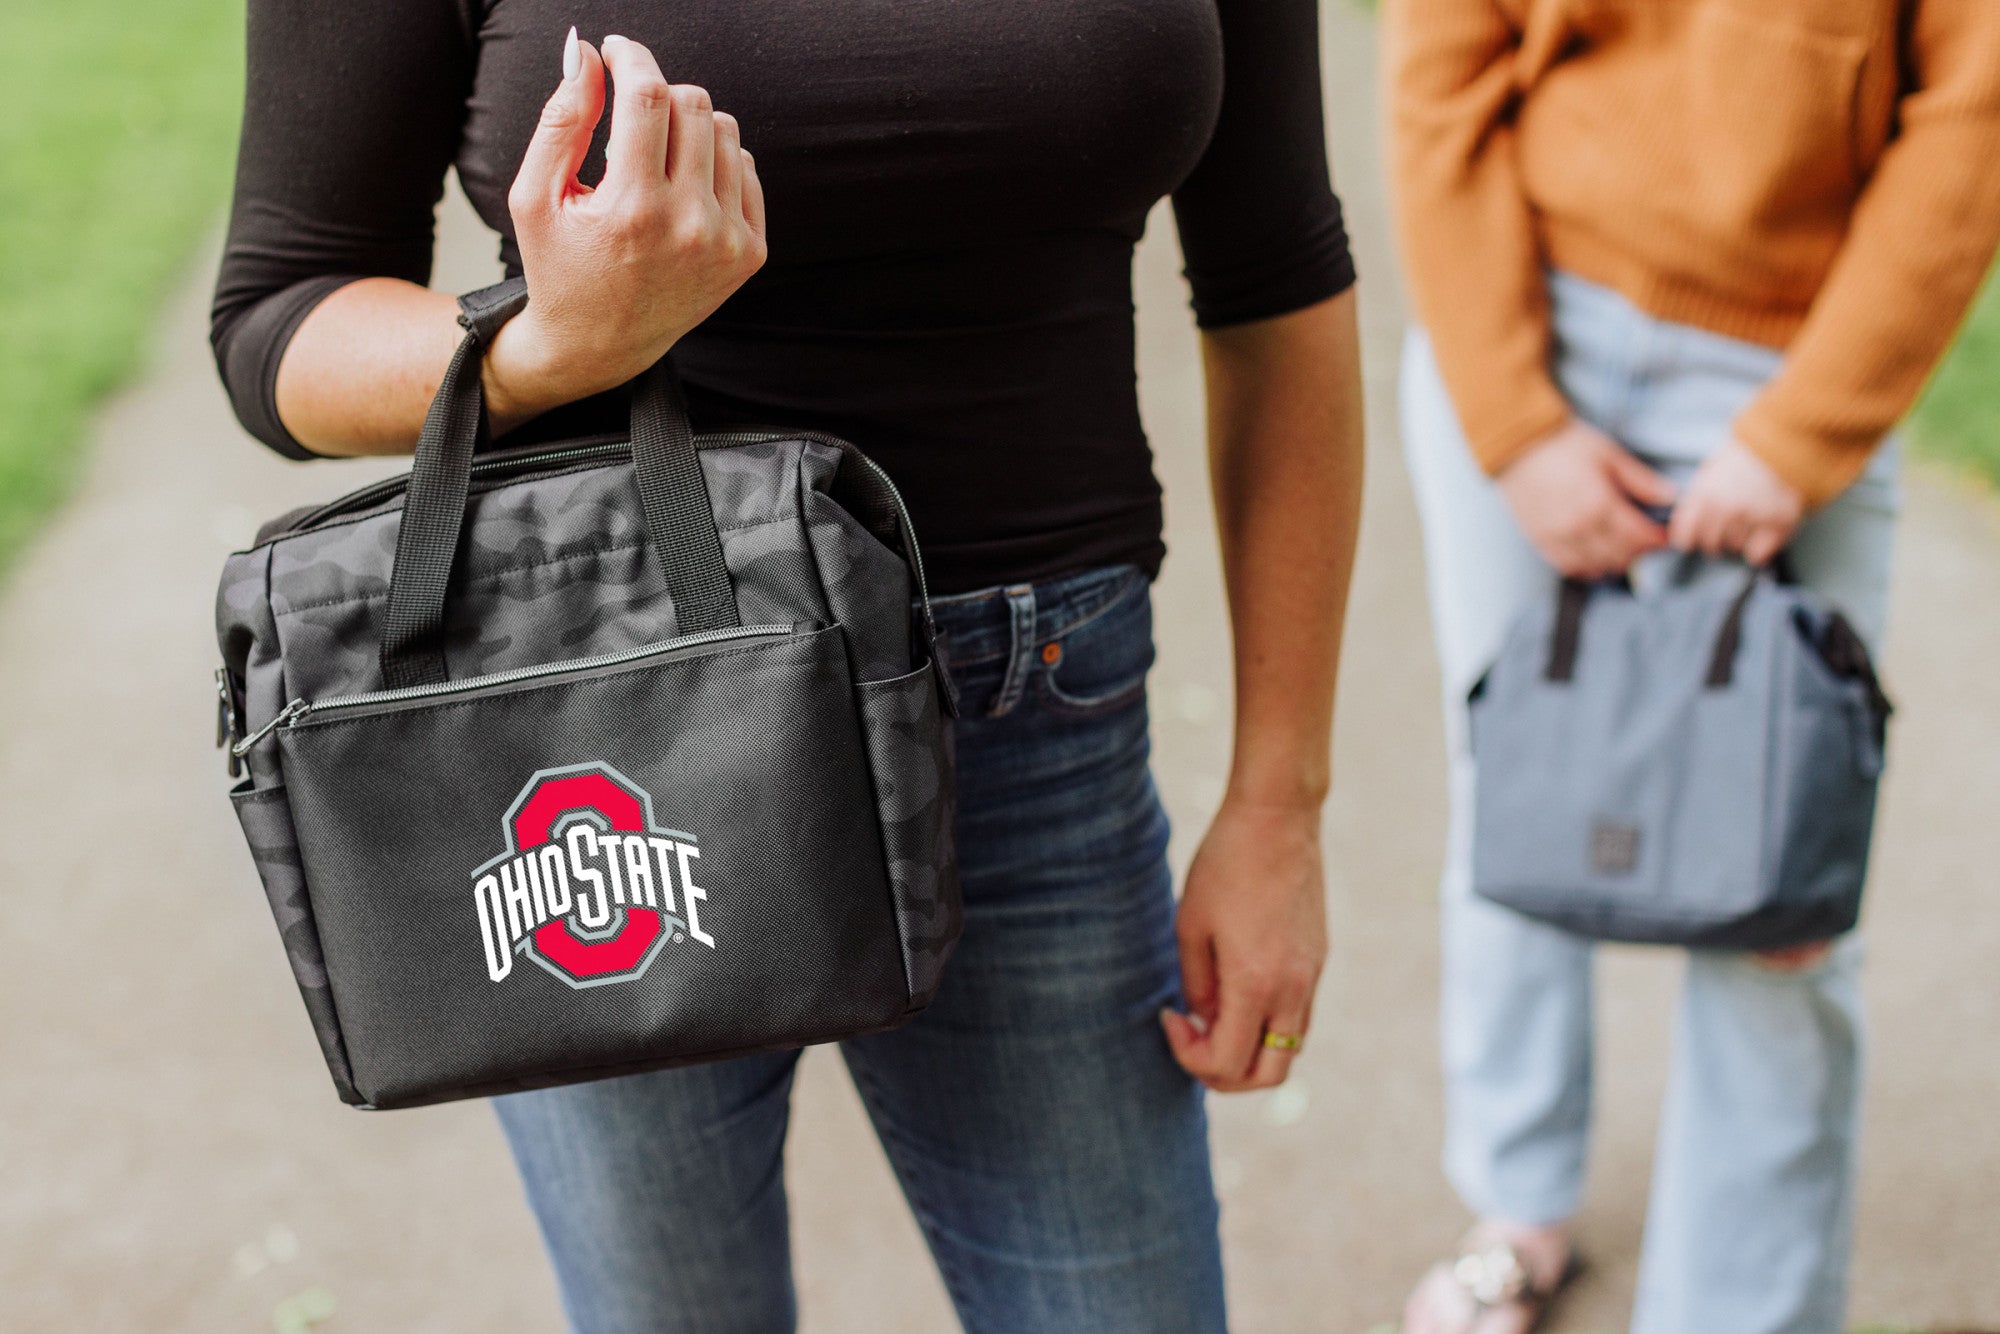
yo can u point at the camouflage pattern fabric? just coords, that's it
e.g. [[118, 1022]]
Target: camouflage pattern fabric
[[910, 750], [267, 824], [558, 567]]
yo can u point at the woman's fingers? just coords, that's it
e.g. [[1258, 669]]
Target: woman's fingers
[[1290, 1019], [1220, 1043], [1198, 982], [562, 138], [728, 165], [1764, 544], [1794, 958], [1738, 533], [1184, 1036], [1641, 483], [1690, 527], [635, 157], [1680, 524], [1187, 1033], [1225, 1053], [691, 156], [617, 283], [1633, 534], [753, 197]]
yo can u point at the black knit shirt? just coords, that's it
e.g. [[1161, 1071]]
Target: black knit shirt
[[954, 188]]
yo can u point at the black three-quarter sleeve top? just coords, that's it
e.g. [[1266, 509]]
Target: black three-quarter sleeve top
[[953, 187]]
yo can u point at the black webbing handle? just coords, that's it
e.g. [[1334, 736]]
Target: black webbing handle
[[673, 498], [1571, 599], [1722, 660], [1574, 597], [412, 653]]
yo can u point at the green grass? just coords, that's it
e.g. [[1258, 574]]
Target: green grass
[[1958, 419], [117, 130]]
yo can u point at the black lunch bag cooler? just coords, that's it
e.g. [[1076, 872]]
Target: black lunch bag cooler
[[571, 761]]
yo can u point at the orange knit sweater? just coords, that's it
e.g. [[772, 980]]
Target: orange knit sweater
[[1817, 175]]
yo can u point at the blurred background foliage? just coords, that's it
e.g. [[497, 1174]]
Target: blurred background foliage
[[117, 135], [1958, 419]]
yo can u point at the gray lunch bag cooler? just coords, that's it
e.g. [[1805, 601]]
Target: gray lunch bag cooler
[[1692, 766], [577, 760]]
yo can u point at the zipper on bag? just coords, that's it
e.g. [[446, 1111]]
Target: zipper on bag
[[300, 710]]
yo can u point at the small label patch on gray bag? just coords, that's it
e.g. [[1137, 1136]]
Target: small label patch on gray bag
[[1614, 848]]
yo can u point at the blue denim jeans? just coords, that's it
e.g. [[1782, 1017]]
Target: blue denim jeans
[[1054, 1154], [1748, 1227]]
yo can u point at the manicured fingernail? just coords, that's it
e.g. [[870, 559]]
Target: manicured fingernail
[[613, 37], [572, 58]]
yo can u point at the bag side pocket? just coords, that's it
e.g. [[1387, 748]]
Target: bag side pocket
[[266, 817], [1823, 825], [910, 757]]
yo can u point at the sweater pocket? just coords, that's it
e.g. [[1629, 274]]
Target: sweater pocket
[[1772, 110]]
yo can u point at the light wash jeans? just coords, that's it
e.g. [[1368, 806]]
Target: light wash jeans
[[1054, 1154], [1749, 1221]]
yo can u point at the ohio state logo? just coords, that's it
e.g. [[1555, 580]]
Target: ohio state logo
[[589, 887]]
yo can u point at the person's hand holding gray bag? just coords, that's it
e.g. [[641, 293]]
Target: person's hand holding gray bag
[[575, 760], [1695, 765]]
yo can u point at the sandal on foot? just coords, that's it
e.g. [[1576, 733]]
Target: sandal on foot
[[1488, 1275]]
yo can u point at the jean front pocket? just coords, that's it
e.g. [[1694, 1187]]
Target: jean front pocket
[[1098, 665]]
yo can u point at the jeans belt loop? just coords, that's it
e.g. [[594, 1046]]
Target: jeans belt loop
[[1020, 649]]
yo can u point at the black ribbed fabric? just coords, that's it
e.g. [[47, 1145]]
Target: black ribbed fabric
[[954, 192]]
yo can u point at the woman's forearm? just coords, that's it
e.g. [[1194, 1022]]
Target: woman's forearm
[[1284, 428], [360, 372], [1285, 464], [362, 368]]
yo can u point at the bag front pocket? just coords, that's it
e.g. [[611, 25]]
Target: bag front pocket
[[596, 868]]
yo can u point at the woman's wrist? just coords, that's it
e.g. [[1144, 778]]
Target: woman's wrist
[[522, 377], [1289, 792], [1281, 761]]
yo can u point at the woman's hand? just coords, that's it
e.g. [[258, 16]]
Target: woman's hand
[[618, 273], [1252, 930], [1736, 505], [1577, 495]]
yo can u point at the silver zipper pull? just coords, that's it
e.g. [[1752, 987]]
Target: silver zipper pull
[[225, 719], [225, 710], [297, 709]]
